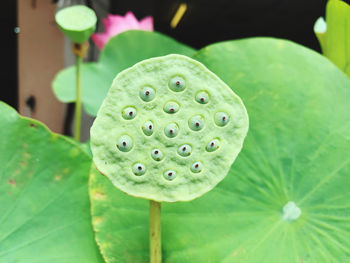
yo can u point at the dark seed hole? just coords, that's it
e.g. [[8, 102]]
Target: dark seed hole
[[184, 148], [170, 174], [171, 110], [150, 127], [124, 143], [147, 93], [130, 113], [223, 118], [196, 166], [139, 167], [156, 152], [212, 144], [171, 131], [177, 83], [197, 124], [202, 99]]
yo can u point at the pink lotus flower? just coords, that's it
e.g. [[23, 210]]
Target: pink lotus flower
[[115, 24]]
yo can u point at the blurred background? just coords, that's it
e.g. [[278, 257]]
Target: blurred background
[[34, 49]]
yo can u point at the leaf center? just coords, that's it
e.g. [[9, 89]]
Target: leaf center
[[291, 211]]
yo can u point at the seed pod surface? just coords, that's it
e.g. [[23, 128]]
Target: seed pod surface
[[213, 132]]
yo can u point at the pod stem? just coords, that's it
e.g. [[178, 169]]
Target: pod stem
[[80, 51], [77, 116], [155, 232]]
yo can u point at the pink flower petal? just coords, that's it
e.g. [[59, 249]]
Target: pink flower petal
[[114, 19], [119, 28], [115, 24], [118, 24], [131, 20], [147, 23], [100, 39], [106, 22]]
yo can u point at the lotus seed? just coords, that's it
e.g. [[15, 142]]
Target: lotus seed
[[212, 145], [139, 169], [221, 119], [196, 167], [171, 130], [184, 150], [177, 84], [124, 143], [157, 155], [202, 97], [171, 107], [129, 113], [196, 123], [147, 128], [147, 94], [169, 175]]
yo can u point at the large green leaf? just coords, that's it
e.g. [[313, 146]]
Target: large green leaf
[[121, 52], [297, 149], [44, 203]]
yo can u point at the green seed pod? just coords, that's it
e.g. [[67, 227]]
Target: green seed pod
[[147, 94], [148, 128], [157, 155], [196, 123], [177, 84], [171, 107], [139, 169], [171, 130], [76, 22], [184, 150], [129, 113], [196, 167], [202, 97], [221, 119], [124, 143], [180, 176]]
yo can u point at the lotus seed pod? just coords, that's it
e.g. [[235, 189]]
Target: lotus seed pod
[[147, 128], [147, 94], [171, 172], [184, 150], [76, 22], [171, 107]]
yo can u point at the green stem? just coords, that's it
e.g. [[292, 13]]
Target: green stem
[[155, 232], [322, 40], [77, 123]]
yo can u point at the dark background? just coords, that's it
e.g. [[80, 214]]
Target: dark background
[[208, 21], [205, 22], [8, 47]]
